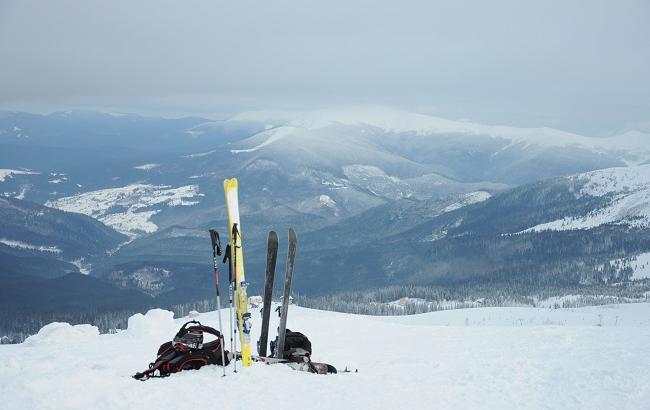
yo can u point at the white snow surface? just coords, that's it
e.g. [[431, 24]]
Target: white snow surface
[[147, 167], [327, 201], [468, 199], [9, 173], [23, 245], [400, 121], [629, 189], [200, 154], [125, 208], [640, 265], [271, 136], [84, 267], [488, 358]]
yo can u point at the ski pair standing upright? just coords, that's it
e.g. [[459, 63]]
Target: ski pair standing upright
[[237, 289], [238, 284], [271, 258]]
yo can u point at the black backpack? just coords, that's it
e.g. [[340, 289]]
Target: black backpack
[[186, 352], [295, 344], [297, 354]]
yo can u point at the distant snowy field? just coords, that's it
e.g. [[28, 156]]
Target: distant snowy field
[[496, 358]]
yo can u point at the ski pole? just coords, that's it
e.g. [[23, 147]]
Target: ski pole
[[227, 257], [233, 260], [216, 251]]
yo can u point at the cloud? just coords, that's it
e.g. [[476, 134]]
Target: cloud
[[533, 59]]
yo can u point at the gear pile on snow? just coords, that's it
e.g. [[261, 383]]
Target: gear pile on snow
[[187, 352]]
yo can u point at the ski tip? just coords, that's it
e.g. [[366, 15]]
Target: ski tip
[[229, 184], [273, 236], [292, 234]]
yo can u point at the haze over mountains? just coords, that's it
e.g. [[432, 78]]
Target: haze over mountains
[[378, 196]]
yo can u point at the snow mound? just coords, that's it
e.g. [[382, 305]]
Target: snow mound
[[156, 322], [62, 333], [487, 358]]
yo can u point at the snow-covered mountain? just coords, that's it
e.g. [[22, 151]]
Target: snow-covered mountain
[[422, 139], [488, 358], [378, 196], [395, 121], [626, 194], [604, 239], [44, 242], [128, 209]]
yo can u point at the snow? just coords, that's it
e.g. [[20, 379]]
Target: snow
[[629, 189], [125, 208], [9, 173], [23, 191], [376, 181], [131, 222], [200, 154], [327, 201], [615, 180], [555, 301], [22, 245], [468, 199], [84, 268], [488, 358], [270, 136], [399, 121], [640, 265], [62, 333], [147, 167]]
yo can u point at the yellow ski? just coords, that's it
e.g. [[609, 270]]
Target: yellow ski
[[237, 260]]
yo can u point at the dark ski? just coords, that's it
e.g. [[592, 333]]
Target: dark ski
[[291, 256], [271, 258]]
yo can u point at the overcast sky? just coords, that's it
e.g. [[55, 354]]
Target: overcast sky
[[578, 65]]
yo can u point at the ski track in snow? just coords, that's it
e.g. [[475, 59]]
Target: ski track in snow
[[488, 358]]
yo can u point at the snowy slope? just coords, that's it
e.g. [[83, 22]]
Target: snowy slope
[[399, 121], [9, 173], [128, 209], [640, 265], [627, 194], [408, 145], [453, 360]]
